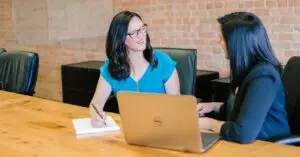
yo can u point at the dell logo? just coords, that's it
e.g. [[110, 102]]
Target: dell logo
[[157, 121]]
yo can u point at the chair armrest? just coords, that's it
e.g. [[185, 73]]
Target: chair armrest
[[290, 140]]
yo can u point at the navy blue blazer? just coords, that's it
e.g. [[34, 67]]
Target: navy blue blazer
[[258, 110]]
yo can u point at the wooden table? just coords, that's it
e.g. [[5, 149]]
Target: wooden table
[[34, 127]]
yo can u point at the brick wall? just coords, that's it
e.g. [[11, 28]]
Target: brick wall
[[172, 23], [192, 24]]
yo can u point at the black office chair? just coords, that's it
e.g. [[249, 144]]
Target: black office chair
[[18, 71], [186, 66], [291, 81], [1, 51]]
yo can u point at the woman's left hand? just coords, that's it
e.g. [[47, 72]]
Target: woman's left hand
[[210, 124]]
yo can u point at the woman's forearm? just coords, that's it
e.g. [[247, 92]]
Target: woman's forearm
[[217, 106]]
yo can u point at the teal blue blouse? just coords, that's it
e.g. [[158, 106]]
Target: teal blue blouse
[[152, 81]]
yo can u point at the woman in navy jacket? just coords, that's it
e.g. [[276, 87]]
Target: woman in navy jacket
[[257, 108]]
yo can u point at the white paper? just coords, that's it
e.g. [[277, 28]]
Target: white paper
[[83, 126]]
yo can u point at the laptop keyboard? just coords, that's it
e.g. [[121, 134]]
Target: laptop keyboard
[[208, 139]]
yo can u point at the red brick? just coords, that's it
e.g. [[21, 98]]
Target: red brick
[[207, 49], [200, 28], [208, 20], [184, 7], [285, 36], [270, 20], [161, 35], [207, 35], [297, 11], [281, 28], [296, 36], [296, 45], [256, 4], [219, 12], [205, 56], [174, 21], [201, 63], [282, 11], [202, 4], [218, 50], [189, 20], [5, 16], [200, 13], [261, 12], [232, 4], [259, 3], [273, 36], [185, 34], [290, 20], [182, 14], [158, 21], [283, 3], [293, 3], [290, 53], [169, 7], [192, 7], [167, 28], [271, 3], [161, 8], [219, 4], [209, 5], [167, 42], [183, 42], [282, 45], [199, 42]]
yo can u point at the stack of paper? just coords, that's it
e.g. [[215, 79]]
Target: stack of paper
[[83, 126]]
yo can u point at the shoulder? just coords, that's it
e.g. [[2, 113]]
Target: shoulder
[[104, 66], [160, 55], [165, 64], [162, 58], [263, 70], [105, 72]]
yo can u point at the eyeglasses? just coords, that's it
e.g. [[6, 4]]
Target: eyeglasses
[[135, 34]]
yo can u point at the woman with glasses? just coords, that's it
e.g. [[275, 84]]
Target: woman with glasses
[[132, 65], [257, 109]]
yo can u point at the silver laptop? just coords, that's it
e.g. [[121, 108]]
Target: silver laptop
[[163, 121]]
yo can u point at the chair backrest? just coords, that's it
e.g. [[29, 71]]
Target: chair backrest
[[2, 50], [186, 66], [291, 81], [18, 71]]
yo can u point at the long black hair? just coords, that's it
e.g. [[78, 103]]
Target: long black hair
[[116, 52], [247, 44]]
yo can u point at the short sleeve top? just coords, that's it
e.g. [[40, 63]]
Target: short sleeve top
[[152, 81]]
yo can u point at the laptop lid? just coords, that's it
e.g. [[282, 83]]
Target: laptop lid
[[160, 120]]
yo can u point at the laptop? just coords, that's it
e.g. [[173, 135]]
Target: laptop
[[163, 121]]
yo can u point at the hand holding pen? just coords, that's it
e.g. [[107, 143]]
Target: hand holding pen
[[97, 118]]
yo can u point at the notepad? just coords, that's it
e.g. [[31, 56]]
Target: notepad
[[84, 127]]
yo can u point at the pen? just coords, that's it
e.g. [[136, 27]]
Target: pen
[[98, 113]]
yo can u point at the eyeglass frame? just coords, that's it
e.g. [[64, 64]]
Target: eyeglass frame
[[138, 31]]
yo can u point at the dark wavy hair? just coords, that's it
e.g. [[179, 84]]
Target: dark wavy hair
[[116, 52], [247, 44]]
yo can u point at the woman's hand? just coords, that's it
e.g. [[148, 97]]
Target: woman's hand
[[204, 108], [210, 124], [97, 117]]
